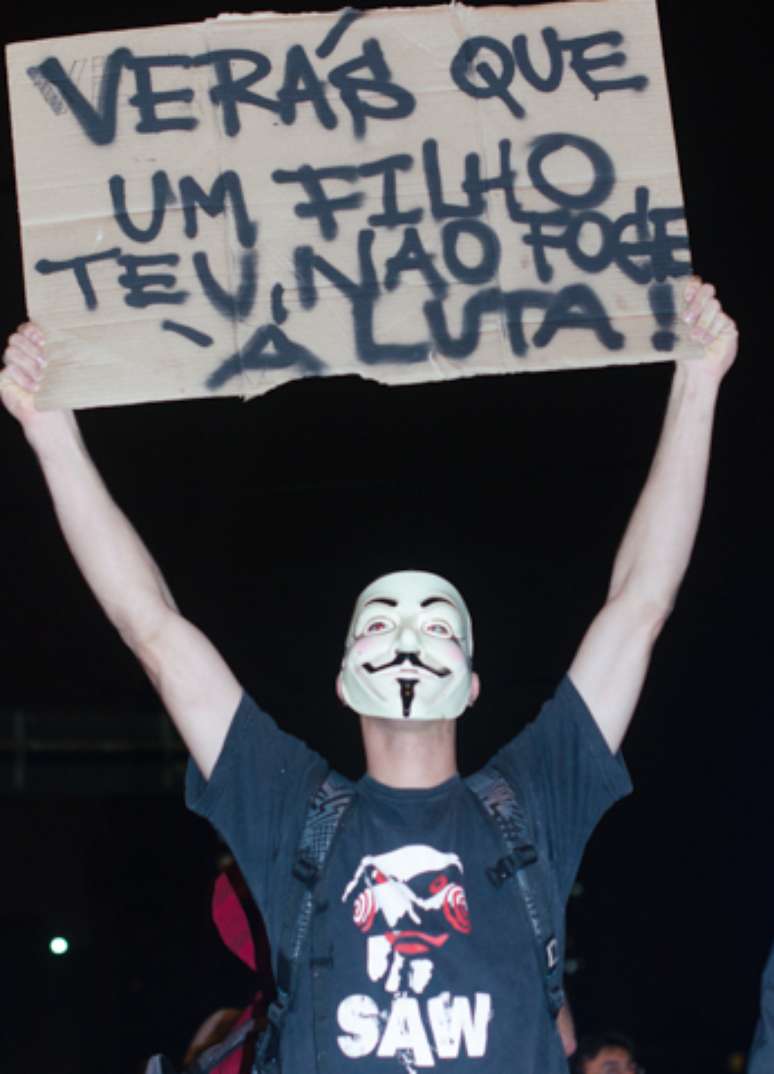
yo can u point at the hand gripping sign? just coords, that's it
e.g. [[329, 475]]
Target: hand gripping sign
[[410, 195]]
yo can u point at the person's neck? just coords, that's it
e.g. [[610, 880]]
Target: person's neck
[[419, 754]]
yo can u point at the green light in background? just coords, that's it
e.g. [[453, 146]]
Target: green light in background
[[59, 946]]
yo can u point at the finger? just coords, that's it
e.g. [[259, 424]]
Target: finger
[[692, 285], [19, 359], [716, 326], [698, 302], [32, 332], [726, 329], [22, 352], [702, 327], [21, 378], [730, 328], [723, 325], [708, 314], [23, 368], [721, 340], [25, 345]]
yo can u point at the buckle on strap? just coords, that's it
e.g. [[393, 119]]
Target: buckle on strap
[[509, 865], [306, 870], [275, 1012], [267, 1046], [500, 872], [552, 952]]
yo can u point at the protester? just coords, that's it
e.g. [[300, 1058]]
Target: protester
[[605, 1053], [416, 958]]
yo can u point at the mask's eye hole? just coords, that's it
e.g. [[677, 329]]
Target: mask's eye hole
[[438, 629], [438, 883], [378, 626]]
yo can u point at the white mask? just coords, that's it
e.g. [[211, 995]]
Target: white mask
[[409, 649]]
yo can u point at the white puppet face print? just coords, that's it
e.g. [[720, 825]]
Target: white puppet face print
[[409, 650], [410, 904]]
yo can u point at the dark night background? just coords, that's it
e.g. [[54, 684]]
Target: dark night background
[[268, 517]]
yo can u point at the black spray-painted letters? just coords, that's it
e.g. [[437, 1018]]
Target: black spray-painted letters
[[420, 219]]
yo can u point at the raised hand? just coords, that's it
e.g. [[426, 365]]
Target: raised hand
[[710, 326], [25, 364]]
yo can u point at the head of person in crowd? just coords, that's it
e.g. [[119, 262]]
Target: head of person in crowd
[[605, 1053]]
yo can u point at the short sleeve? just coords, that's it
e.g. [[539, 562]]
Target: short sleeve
[[257, 794], [565, 766]]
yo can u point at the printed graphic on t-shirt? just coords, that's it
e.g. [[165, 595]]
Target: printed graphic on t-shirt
[[410, 906]]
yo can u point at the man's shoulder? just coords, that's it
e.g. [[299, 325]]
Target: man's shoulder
[[562, 748], [258, 759], [563, 708]]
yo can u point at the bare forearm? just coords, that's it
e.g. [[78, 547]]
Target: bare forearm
[[612, 661], [113, 560], [196, 685], [657, 545], [610, 665]]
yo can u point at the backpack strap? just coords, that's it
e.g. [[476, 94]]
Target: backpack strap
[[522, 869], [326, 809], [216, 1053], [207, 1060]]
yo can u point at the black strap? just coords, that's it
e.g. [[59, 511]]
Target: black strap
[[326, 809], [159, 1064], [209, 1059], [522, 867], [320, 963]]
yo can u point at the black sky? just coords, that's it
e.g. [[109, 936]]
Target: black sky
[[268, 517]]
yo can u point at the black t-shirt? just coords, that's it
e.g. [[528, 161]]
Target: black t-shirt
[[432, 965]]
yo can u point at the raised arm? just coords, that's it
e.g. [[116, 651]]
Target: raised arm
[[194, 682], [610, 666]]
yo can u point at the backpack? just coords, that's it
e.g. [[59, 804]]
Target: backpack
[[519, 869]]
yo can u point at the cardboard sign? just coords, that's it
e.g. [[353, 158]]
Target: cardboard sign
[[408, 194]]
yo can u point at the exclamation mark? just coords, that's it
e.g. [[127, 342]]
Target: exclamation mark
[[662, 302]]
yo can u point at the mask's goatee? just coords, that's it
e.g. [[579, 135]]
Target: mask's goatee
[[407, 687]]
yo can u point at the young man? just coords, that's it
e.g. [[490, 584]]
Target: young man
[[422, 961], [606, 1053]]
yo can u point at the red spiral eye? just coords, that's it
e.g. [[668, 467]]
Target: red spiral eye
[[455, 909], [364, 910], [438, 884], [378, 877]]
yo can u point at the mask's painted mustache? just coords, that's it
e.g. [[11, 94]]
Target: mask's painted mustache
[[413, 659]]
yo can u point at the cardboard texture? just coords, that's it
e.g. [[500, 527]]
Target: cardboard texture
[[407, 194]]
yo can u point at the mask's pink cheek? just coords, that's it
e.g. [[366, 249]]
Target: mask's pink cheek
[[364, 648], [455, 656]]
